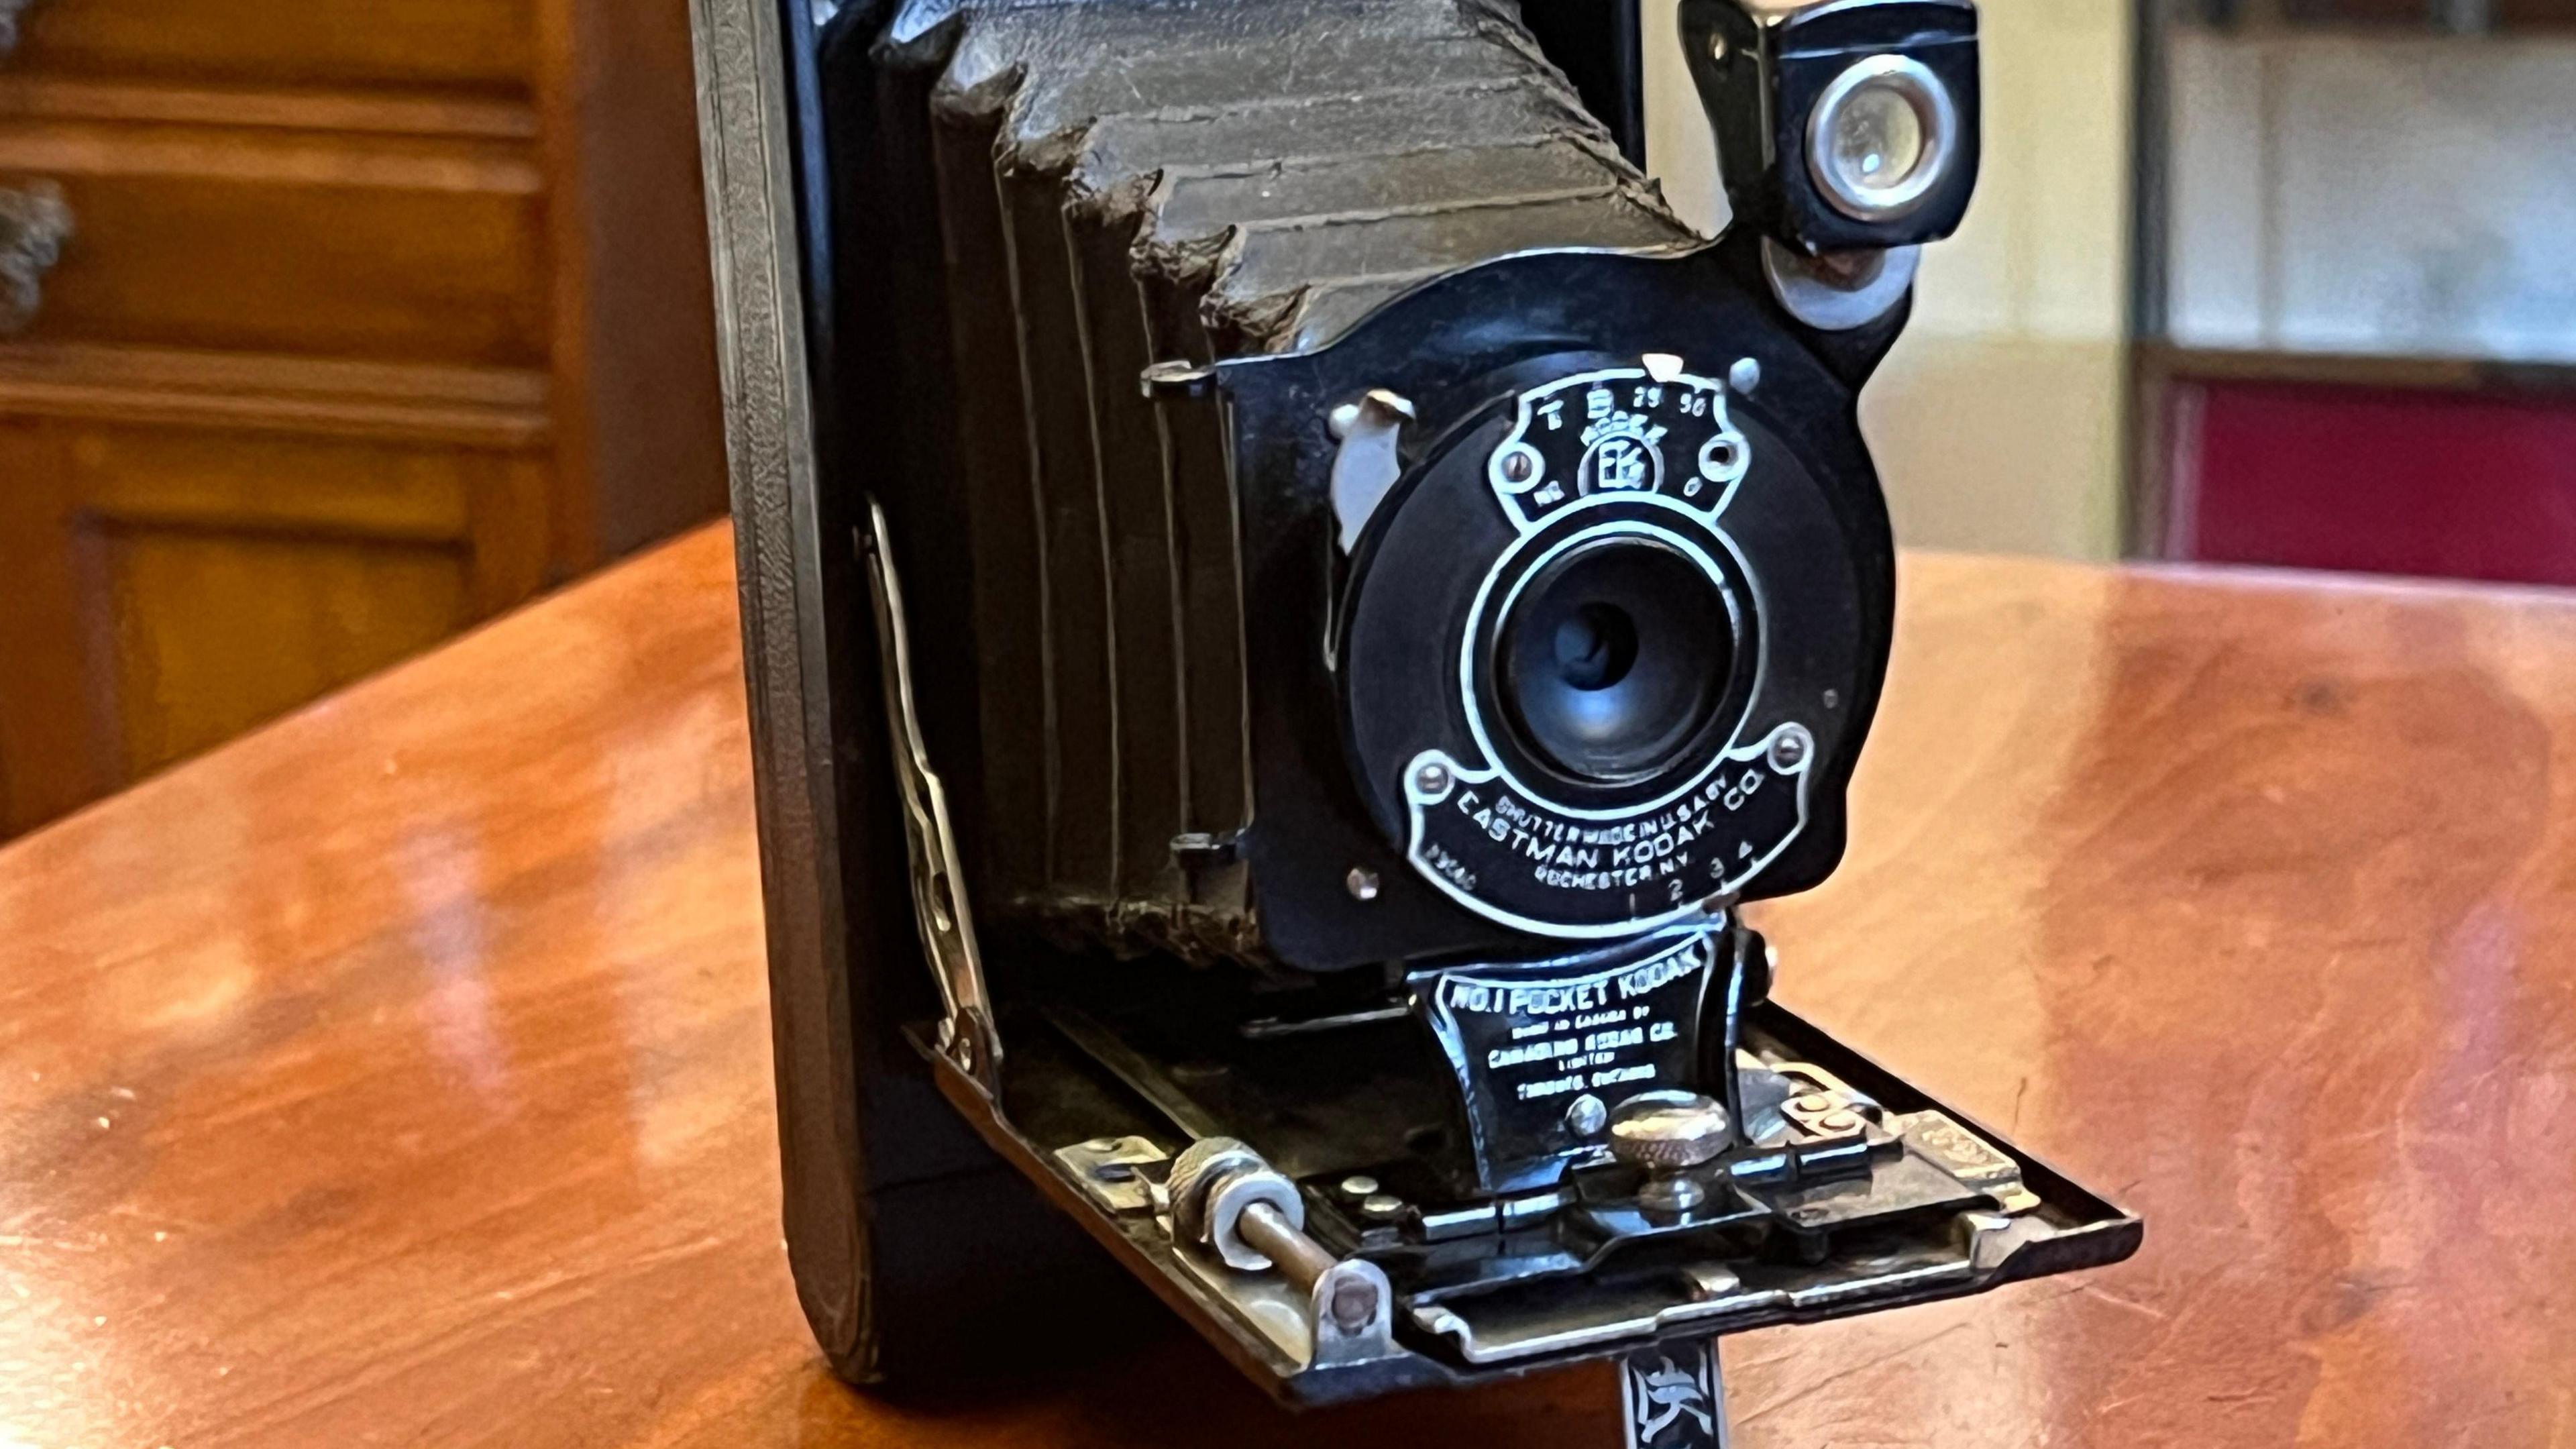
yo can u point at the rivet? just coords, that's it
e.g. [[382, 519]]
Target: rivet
[[1586, 1116]]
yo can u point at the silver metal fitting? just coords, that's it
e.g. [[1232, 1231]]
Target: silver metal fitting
[[1366, 465], [1195, 1173], [1841, 290], [1258, 1203], [1667, 1134], [1225, 1198]]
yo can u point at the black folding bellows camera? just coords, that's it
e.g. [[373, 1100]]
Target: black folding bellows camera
[[1289, 602]]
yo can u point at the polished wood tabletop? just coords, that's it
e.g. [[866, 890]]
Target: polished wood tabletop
[[400, 1075]]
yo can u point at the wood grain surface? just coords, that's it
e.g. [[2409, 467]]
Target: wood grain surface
[[399, 1074]]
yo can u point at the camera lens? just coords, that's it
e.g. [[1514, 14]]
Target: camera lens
[[1881, 137], [1877, 140], [1614, 657]]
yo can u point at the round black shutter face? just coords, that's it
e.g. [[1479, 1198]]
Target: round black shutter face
[[1592, 643]]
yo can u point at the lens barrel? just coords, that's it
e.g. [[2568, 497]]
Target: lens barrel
[[1613, 658]]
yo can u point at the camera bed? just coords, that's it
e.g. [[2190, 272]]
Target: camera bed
[[1101, 1091]]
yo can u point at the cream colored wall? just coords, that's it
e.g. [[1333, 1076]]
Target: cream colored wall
[[1997, 420], [2374, 193]]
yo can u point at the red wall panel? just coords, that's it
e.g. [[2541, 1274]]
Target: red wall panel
[[2441, 484]]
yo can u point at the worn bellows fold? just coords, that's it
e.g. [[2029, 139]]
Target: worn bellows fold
[[1121, 183]]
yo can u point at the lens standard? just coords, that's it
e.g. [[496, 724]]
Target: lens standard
[[1614, 657]]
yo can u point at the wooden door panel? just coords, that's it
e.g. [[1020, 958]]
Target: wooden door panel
[[374, 317], [416, 253], [217, 633], [481, 43], [171, 587], [52, 756], [234, 483]]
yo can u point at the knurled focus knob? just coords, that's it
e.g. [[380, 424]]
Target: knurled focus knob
[[1667, 1134], [1196, 1171]]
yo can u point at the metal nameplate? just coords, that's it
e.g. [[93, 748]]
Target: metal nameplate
[[1542, 1052]]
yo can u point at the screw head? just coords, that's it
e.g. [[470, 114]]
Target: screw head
[[1517, 466], [1717, 457], [1359, 1185], [1791, 748], [1383, 1207], [1433, 779], [1587, 1116], [1745, 375], [1362, 883], [1844, 1121], [1354, 1303], [1814, 1102]]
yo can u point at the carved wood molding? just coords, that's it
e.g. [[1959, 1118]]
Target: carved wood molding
[[496, 409], [35, 222], [436, 116]]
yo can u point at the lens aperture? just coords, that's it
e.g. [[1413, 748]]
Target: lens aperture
[[1614, 657], [1597, 647]]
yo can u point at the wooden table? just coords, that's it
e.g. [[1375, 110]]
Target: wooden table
[[399, 1075]]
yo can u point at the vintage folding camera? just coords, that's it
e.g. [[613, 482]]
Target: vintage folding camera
[[1289, 604]]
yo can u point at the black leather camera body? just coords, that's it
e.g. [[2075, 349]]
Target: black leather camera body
[[1290, 602]]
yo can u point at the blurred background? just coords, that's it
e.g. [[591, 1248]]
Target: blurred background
[[331, 329], [327, 331], [2286, 282]]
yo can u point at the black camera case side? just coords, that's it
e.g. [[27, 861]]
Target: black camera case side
[[890, 1203]]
